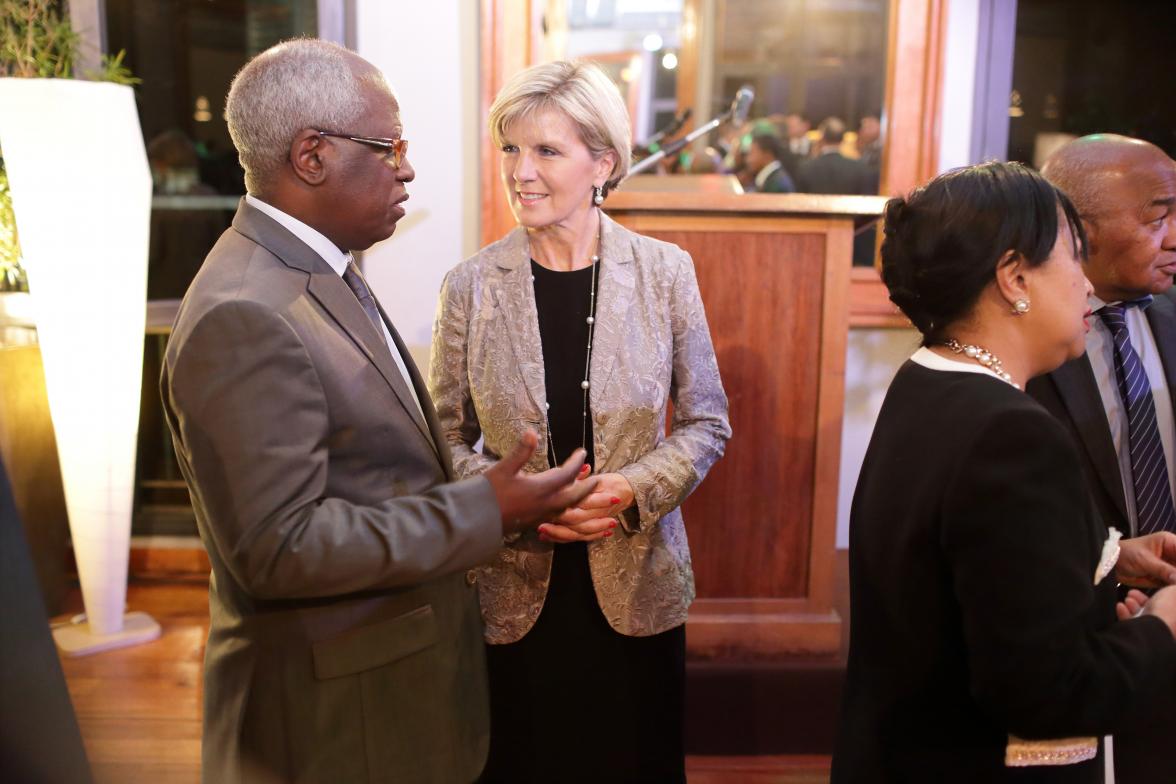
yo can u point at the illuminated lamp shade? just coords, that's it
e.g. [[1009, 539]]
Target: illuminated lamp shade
[[81, 192]]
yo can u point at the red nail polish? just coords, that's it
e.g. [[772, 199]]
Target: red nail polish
[[613, 524], [614, 500], [607, 534]]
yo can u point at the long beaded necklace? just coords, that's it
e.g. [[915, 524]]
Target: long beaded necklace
[[584, 384]]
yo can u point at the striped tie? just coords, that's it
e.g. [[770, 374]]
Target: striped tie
[[354, 279], [1149, 470]]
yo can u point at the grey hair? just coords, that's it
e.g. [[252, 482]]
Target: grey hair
[[581, 91], [297, 84]]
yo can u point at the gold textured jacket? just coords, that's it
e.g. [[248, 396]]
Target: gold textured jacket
[[651, 345]]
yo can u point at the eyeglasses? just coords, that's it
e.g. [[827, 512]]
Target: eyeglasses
[[397, 149]]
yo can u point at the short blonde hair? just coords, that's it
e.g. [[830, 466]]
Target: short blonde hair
[[581, 91]]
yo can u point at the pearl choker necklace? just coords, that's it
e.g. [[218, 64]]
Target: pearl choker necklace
[[983, 356]]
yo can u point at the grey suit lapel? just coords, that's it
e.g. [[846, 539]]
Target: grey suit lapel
[[617, 281], [1079, 393], [336, 298], [430, 427], [514, 295]]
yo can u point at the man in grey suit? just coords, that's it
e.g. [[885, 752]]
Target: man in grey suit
[[345, 641], [1117, 400]]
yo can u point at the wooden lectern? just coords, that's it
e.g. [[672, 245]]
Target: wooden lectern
[[774, 271]]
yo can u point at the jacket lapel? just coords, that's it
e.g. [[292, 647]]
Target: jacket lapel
[[430, 427], [336, 298], [515, 297], [1079, 392], [617, 281], [1161, 316]]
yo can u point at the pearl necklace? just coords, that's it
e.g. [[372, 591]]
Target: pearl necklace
[[983, 356], [584, 384]]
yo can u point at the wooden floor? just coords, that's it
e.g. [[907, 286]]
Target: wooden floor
[[139, 708]]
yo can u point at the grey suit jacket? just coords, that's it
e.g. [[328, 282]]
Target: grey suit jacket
[[651, 346], [345, 643]]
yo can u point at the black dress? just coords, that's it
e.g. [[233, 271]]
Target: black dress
[[574, 700]]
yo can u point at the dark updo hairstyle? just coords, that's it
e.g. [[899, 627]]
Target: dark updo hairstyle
[[942, 242]]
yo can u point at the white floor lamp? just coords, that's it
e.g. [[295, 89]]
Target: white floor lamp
[[81, 191]]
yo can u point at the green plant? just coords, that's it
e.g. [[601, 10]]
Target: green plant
[[37, 40], [12, 275]]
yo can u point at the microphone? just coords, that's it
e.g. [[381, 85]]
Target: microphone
[[741, 106], [674, 125], [737, 114]]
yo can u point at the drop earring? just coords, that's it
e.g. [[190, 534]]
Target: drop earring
[[597, 195]]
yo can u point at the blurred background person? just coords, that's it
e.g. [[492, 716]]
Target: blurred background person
[[829, 171], [832, 172], [182, 230], [175, 165], [576, 326], [797, 128], [869, 142], [764, 159], [983, 594]]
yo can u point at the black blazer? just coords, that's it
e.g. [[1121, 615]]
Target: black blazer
[[834, 173], [779, 181], [973, 609], [1143, 751]]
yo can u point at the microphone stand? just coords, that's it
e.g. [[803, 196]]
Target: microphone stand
[[650, 145], [740, 105], [673, 147]]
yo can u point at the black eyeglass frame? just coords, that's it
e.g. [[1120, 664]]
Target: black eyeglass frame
[[398, 147]]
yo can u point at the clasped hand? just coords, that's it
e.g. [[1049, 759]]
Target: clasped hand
[[594, 516], [1147, 561], [524, 499]]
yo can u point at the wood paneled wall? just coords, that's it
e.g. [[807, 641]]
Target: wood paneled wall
[[914, 77], [762, 525]]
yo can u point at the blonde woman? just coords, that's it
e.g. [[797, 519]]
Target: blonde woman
[[582, 330]]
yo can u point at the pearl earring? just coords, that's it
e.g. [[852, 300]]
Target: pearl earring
[[1021, 307], [597, 195]]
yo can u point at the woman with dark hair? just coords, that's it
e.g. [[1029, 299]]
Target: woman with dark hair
[[984, 641]]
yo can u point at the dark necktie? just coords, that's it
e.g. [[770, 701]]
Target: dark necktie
[[1149, 470], [358, 285]]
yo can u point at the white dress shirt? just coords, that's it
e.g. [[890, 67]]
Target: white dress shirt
[[1100, 349], [338, 261], [765, 173]]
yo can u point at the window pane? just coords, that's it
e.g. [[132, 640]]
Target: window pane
[[1087, 66], [186, 52], [806, 60]]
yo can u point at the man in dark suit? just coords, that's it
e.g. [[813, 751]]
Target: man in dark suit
[[1117, 400], [766, 157], [345, 642], [832, 172]]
